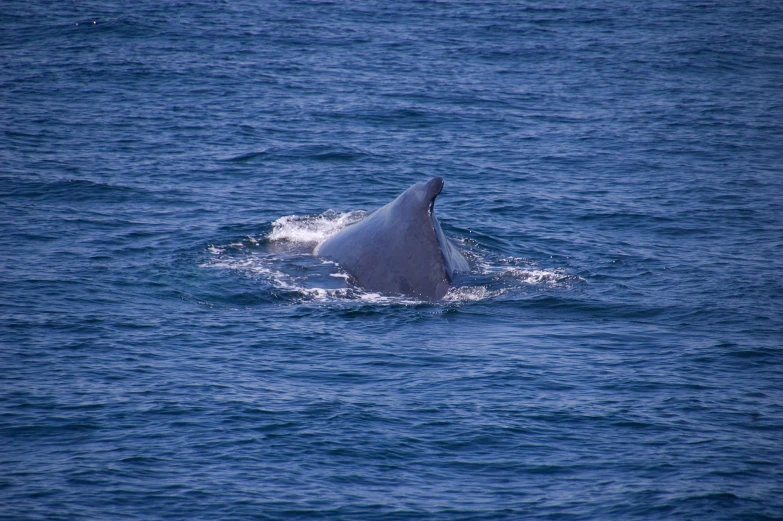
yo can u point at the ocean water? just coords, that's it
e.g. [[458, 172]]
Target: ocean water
[[171, 349]]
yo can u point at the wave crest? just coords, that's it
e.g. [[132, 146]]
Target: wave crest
[[312, 229]]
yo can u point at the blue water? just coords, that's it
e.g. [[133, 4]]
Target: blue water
[[171, 349]]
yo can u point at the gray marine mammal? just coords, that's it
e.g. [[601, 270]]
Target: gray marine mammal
[[399, 248]]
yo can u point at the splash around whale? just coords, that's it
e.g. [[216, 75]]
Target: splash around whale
[[400, 248]]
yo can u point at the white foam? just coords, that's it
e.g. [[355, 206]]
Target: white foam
[[522, 270], [245, 265], [471, 293], [263, 266], [321, 294], [549, 277], [312, 229]]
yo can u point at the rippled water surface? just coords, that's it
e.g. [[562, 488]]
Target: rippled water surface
[[170, 347]]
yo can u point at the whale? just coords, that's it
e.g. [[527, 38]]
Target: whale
[[399, 248]]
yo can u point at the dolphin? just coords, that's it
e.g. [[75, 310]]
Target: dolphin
[[399, 248]]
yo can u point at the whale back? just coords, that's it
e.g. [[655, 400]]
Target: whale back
[[399, 248]]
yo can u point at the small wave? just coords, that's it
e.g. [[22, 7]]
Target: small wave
[[309, 229], [305, 152]]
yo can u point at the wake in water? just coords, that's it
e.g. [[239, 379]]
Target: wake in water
[[283, 260]]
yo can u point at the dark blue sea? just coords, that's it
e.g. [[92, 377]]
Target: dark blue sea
[[170, 347]]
